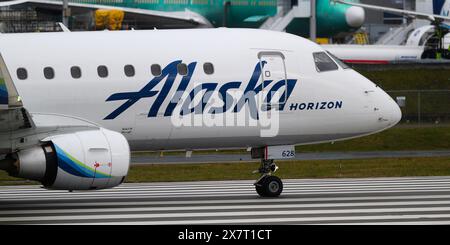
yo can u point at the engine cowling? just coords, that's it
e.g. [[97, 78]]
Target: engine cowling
[[84, 160]]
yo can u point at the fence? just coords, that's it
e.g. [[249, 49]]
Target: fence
[[26, 20], [423, 106]]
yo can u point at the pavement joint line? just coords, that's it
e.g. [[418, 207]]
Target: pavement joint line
[[383, 211], [254, 200], [368, 205], [272, 220], [228, 191]]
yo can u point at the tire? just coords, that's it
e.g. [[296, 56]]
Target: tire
[[269, 186], [260, 190]]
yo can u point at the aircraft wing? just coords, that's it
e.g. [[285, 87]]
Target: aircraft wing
[[408, 13], [143, 17]]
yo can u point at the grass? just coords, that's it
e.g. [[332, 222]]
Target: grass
[[361, 168], [400, 138], [5, 179], [405, 79]]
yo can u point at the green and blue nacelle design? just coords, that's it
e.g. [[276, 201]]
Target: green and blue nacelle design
[[91, 158], [85, 159], [75, 167], [95, 158], [3, 93]]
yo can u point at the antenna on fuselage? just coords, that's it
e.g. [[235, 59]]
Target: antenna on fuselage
[[63, 27]]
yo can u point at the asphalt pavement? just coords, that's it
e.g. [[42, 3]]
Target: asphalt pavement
[[423, 200]]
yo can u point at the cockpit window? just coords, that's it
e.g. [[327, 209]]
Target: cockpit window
[[324, 62], [339, 61]]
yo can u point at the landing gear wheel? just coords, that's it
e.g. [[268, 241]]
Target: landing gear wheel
[[269, 186], [260, 190]]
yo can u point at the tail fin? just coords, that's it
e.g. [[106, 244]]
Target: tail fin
[[9, 98], [437, 6]]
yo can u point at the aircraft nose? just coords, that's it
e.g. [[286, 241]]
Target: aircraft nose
[[392, 111], [395, 113], [355, 16]]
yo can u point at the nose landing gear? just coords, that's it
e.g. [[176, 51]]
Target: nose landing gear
[[268, 185]]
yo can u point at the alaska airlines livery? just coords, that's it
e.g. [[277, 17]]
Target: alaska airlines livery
[[74, 104]]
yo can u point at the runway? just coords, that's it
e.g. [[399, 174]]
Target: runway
[[424, 200]]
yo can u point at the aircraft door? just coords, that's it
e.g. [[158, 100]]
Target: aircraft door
[[274, 78]]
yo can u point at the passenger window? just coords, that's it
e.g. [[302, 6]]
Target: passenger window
[[208, 68], [49, 73], [324, 62], [182, 69], [339, 61], [129, 70], [102, 71], [156, 70], [22, 73], [75, 71]]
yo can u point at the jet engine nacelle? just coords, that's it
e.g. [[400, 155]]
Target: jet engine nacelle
[[85, 160]]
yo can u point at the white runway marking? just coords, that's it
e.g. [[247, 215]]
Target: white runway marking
[[424, 200]]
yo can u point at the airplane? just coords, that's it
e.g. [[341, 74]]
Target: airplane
[[436, 35], [441, 10], [429, 41], [332, 19], [375, 54], [71, 110]]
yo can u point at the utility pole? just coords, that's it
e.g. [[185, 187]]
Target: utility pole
[[65, 13], [312, 22]]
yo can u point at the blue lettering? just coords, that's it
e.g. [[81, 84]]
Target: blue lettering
[[198, 109], [286, 94], [225, 97], [251, 91], [330, 105], [169, 74], [180, 91], [293, 107], [316, 105], [170, 71]]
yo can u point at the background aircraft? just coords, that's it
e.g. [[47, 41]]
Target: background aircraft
[[439, 21], [427, 41], [332, 18]]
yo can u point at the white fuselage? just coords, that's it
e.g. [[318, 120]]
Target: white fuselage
[[375, 54], [322, 106]]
